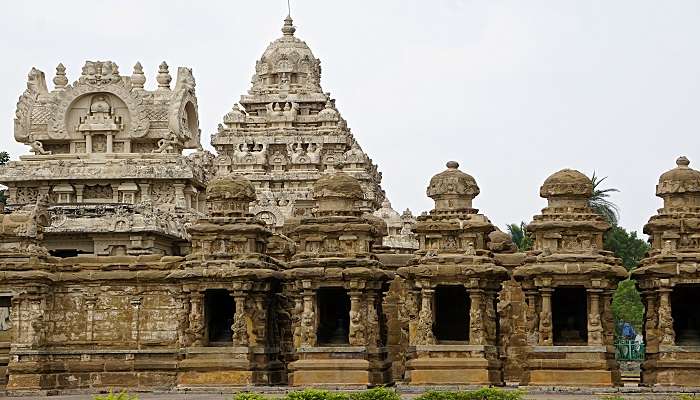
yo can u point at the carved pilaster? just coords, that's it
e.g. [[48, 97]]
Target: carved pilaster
[[373, 328], [666, 333], [490, 317], [532, 318], [651, 318], [308, 320], [259, 317], [358, 311], [239, 328], [135, 316], [196, 324], [545, 328], [424, 327], [183, 311], [595, 325], [477, 328]]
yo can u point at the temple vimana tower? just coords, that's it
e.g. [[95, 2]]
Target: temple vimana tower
[[131, 257]]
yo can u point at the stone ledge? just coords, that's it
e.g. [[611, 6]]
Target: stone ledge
[[568, 349]]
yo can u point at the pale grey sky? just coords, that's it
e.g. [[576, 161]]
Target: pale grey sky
[[513, 90]]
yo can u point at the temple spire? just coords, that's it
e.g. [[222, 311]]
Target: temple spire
[[288, 29]]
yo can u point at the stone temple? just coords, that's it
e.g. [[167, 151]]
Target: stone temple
[[280, 261]]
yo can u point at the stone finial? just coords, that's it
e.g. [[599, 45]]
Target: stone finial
[[230, 196], [163, 77], [337, 192], [60, 80], [680, 180], [452, 189], [138, 78], [567, 183], [288, 28]]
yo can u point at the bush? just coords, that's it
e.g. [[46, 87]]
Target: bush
[[481, 394], [316, 394], [123, 395], [686, 396], [248, 396], [378, 393]]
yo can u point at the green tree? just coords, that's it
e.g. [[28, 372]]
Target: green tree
[[599, 201], [625, 245], [627, 305], [4, 158], [521, 237]]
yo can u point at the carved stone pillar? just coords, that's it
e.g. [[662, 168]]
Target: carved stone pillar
[[490, 317], [651, 318], [110, 142], [545, 328], [145, 190], [79, 193], [666, 333], [183, 310], [88, 143], [373, 323], [357, 336], [308, 320], [532, 318], [180, 195], [477, 328], [424, 327], [595, 325], [196, 325], [239, 328], [259, 317], [296, 320], [608, 318]]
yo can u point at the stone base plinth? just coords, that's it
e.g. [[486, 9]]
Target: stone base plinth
[[343, 365], [571, 366], [672, 366], [454, 365], [229, 366]]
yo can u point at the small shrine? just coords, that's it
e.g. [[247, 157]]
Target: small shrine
[[669, 280], [228, 314], [451, 288], [335, 286], [569, 280]]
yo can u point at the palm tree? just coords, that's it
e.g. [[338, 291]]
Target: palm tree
[[599, 201], [521, 237]]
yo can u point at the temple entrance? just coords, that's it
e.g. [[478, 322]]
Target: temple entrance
[[334, 316], [570, 316], [451, 314], [686, 314], [219, 308]]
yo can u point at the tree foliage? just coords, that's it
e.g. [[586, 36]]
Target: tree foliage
[[599, 200], [521, 237], [627, 305], [625, 245]]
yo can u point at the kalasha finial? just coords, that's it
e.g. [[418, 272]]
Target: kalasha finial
[[138, 78], [682, 162], [452, 164], [60, 80], [163, 77], [288, 28]]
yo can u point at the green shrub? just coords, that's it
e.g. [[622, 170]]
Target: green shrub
[[378, 393], [316, 394], [686, 396], [248, 396], [481, 394], [123, 395], [617, 397]]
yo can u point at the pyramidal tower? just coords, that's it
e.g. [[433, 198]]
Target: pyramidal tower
[[287, 132]]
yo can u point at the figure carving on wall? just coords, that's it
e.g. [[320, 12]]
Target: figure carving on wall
[[38, 148]]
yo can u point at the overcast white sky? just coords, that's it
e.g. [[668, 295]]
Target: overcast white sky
[[513, 90]]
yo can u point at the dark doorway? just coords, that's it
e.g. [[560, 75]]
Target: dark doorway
[[333, 316], [570, 316], [219, 308], [451, 314], [686, 314]]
